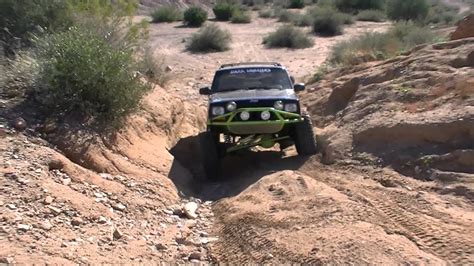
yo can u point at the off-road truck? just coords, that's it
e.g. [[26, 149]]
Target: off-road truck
[[253, 104]]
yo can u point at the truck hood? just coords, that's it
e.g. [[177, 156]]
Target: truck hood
[[252, 95]]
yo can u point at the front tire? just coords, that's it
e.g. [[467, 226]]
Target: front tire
[[304, 139], [210, 155]]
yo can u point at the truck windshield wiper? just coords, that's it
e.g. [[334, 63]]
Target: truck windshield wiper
[[261, 88]]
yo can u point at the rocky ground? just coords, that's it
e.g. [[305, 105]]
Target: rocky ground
[[393, 183]]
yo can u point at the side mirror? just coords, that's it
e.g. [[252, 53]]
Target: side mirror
[[299, 87], [292, 79], [205, 91]]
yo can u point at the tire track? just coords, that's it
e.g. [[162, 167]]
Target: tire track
[[245, 241], [446, 240]]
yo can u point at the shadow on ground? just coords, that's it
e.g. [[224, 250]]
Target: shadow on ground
[[240, 170]]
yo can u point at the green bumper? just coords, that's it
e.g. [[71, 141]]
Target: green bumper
[[232, 124]]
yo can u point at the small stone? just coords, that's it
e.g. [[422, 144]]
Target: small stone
[[55, 164], [190, 210], [6, 260], [11, 206], [1, 203], [168, 69], [195, 256], [19, 124], [269, 256], [48, 200], [102, 220], [117, 234], [66, 181], [46, 225], [160, 246], [119, 206], [55, 210], [77, 221], [23, 227], [22, 180], [64, 245]]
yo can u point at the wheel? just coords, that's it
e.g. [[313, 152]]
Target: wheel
[[210, 155], [305, 142]]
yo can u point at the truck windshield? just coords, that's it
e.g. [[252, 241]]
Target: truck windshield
[[251, 78]]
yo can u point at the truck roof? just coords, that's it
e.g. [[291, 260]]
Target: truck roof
[[250, 64]]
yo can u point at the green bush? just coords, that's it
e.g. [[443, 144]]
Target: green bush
[[379, 46], [350, 5], [19, 76], [347, 19], [224, 11], [241, 17], [80, 71], [440, 13], [289, 37], [19, 19], [266, 13], [411, 35], [407, 10], [194, 16], [296, 4], [304, 20], [327, 22], [166, 14], [210, 38], [371, 15], [287, 16]]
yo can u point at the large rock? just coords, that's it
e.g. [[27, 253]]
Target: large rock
[[465, 28]]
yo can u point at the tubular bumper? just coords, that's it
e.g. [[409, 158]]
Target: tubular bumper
[[231, 121]]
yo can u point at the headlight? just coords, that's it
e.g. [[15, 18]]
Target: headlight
[[218, 110], [244, 115], [231, 106], [291, 107], [265, 115], [278, 105]]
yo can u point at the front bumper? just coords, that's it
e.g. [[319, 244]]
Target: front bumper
[[231, 122]]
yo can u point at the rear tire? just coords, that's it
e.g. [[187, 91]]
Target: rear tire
[[304, 139], [210, 155]]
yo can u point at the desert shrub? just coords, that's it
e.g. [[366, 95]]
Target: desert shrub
[[224, 11], [80, 71], [320, 73], [371, 15], [439, 13], [327, 22], [153, 67], [194, 16], [347, 19], [304, 20], [368, 47], [296, 4], [19, 75], [350, 5], [379, 46], [166, 14], [240, 17], [210, 38], [289, 37], [411, 35], [287, 16], [265, 13], [407, 10], [19, 19]]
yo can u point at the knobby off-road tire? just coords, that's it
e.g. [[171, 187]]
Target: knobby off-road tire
[[304, 139], [210, 155]]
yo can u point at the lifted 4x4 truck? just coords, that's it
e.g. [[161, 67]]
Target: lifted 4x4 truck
[[253, 104]]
